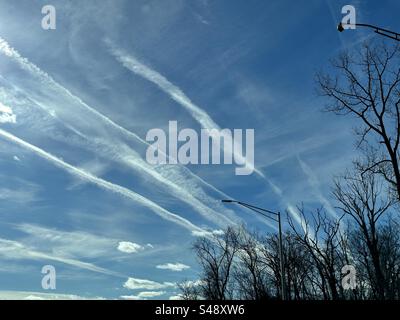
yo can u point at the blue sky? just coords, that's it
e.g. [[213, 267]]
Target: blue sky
[[76, 191]]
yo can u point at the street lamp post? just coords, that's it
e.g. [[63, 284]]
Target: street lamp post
[[277, 219], [384, 32]]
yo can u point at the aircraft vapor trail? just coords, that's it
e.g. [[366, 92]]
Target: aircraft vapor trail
[[20, 251], [104, 184], [134, 65], [200, 115], [26, 65]]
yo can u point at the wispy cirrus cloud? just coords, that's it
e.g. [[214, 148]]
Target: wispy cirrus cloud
[[18, 191], [21, 196]]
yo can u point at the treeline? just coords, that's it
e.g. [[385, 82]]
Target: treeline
[[363, 235]]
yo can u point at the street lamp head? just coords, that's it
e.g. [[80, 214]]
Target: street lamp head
[[340, 27], [227, 201]]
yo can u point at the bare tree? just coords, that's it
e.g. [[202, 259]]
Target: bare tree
[[319, 235], [216, 257], [366, 85], [390, 256], [271, 260], [190, 290], [360, 198], [250, 271], [299, 270]]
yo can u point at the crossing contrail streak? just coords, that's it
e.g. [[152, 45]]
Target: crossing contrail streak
[[135, 160], [163, 213], [137, 67], [18, 250], [313, 181], [134, 65], [25, 64]]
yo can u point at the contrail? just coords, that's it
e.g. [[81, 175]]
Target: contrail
[[134, 160], [123, 154], [132, 64], [17, 250], [289, 207], [163, 213], [25, 64], [173, 91], [135, 66], [313, 181]]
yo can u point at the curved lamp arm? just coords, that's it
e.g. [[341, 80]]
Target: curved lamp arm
[[384, 32]]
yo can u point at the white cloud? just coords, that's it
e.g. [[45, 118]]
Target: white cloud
[[129, 247], [193, 283], [131, 298], [176, 297], [205, 233], [33, 297], [173, 266], [150, 294], [218, 232], [143, 284], [7, 115]]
